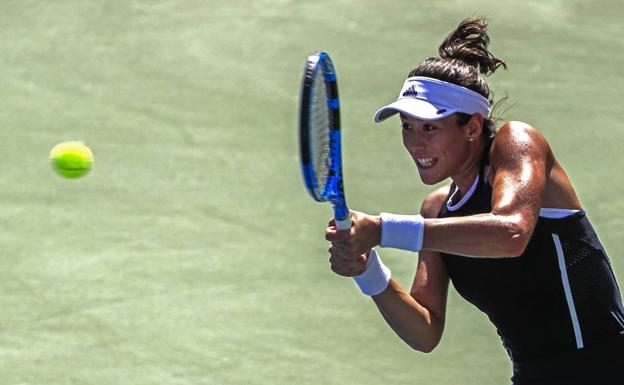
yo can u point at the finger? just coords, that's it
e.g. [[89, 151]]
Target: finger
[[338, 270], [339, 245], [346, 265], [333, 234], [331, 228], [338, 259], [347, 271], [336, 254], [346, 252]]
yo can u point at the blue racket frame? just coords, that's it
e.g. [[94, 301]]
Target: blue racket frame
[[333, 191]]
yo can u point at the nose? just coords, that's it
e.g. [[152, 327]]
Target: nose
[[413, 140]]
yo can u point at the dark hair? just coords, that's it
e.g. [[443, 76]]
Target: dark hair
[[465, 60]]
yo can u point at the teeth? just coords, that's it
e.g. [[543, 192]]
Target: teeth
[[426, 162]]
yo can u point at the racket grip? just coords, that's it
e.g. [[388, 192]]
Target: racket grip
[[343, 224]]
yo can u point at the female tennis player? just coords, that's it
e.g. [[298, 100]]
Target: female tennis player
[[509, 231]]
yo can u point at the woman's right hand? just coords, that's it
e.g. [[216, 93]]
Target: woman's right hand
[[347, 267]]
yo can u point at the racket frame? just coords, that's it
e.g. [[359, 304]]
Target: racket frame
[[333, 190]]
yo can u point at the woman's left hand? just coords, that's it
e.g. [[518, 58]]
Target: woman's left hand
[[364, 234]]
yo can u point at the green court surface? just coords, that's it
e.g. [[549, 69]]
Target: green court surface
[[192, 254]]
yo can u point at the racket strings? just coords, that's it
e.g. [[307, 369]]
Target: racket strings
[[320, 130]]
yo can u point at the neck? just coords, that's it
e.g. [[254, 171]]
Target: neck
[[466, 176]]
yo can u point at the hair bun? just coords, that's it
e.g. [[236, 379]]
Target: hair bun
[[469, 44]]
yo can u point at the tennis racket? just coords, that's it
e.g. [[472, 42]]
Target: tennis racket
[[319, 136]]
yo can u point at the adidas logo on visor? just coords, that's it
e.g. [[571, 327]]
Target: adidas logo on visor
[[410, 91]]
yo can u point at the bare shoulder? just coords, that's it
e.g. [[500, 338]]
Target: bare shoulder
[[518, 133], [516, 139], [432, 204]]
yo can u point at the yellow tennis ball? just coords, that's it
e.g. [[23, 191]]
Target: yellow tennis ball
[[71, 159]]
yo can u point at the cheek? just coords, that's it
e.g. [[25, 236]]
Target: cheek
[[454, 156], [405, 138], [410, 139]]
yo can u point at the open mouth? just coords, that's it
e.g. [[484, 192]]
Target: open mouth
[[426, 162]]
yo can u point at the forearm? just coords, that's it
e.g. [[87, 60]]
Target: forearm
[[412, 322], [481, 235]]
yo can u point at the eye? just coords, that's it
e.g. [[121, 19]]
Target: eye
[[406, 127], [429, 127]]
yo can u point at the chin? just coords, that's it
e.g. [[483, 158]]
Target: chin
[[431, 182], [430, 175], [429, 179]]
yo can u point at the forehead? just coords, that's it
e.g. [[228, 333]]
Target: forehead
[[448, 120]]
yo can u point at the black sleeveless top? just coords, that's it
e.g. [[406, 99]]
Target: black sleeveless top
[[557, 307]]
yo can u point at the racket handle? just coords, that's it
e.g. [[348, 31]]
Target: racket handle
[[343, 224]]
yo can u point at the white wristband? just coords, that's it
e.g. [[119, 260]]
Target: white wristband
[[376, 277], [402, 231]]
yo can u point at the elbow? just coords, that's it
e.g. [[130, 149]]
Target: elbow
[[426, 349], [421, 346], [516, 236], [516, 247]]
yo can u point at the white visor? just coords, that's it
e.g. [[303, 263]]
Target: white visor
[[430, 99]]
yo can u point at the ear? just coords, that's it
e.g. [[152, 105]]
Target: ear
[[474, 127]]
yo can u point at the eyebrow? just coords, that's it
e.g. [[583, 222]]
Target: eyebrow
[[404, 118]]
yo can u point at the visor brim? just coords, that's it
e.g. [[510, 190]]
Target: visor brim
[[415, 108]]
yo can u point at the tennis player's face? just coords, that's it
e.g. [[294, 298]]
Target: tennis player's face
[[439, 147]]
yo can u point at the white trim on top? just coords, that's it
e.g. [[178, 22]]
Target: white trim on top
[[464, 199], [545, 212], [556, 213], [568, 292]]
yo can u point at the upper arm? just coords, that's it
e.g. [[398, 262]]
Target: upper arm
[[521, 161], [430, 285]]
